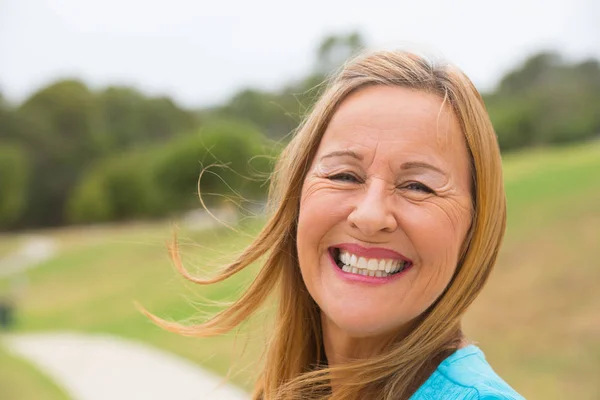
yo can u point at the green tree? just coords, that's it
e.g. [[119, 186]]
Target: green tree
[[117, 188], [163, 120], [271, 113], [547, 100], [11, 126], [63, 132], [133, 120], [14, 173], [535, 71], [233, 149]]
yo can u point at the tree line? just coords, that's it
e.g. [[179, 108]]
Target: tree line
[[69, 154]]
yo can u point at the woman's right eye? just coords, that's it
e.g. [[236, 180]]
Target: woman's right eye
[[344, 177]]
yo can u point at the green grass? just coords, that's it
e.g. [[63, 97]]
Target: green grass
[[92, 287], [536, 320], [21, 381]]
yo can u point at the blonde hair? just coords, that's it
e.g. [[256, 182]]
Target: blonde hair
[[295, 365]]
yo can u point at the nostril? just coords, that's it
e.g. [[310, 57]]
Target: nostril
[[371, 218]]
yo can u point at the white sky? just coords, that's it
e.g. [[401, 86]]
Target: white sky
[[200, 52]]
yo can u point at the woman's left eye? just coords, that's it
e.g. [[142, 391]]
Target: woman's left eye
[[419, 187], [344, 177]]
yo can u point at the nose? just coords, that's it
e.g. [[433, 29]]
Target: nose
[[372, 213]]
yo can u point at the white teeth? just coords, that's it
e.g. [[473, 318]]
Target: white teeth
[[362, 263], [369, 266], [372, 265], [397, 266]]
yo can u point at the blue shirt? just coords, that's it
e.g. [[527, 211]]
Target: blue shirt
[[465, 375]]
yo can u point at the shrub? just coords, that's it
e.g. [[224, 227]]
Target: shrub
[[118, 188], [14, 175], [228, 154]]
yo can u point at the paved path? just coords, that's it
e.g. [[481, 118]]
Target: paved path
[[94, 367], [32, 253]]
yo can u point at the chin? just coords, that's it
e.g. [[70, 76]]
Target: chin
[[362, 324]]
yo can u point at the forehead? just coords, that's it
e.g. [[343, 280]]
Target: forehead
[[391, 119]]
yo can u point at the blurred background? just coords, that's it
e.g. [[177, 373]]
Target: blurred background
[[110, 110]]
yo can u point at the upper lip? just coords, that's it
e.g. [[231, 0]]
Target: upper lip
[[372, 252]]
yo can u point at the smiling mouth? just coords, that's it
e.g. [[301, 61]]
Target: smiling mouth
[[375, 267]]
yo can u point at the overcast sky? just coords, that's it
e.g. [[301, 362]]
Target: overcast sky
[[200, 52]]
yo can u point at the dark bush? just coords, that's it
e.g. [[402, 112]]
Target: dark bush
[[231, 156], [14, 175], [117, 188]]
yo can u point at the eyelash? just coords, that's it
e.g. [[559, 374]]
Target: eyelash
[[345, 177], [421, 187]]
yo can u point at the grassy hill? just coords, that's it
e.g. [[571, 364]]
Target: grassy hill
[[20, 380], [537, 319]]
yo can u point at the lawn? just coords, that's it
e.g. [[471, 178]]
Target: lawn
[[537, 319], [20, 380]]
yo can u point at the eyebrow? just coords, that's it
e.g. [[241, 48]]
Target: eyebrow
[[420, 164], [341, 153], [405, 166]]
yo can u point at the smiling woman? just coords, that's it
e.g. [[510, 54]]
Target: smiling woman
[[388, 214], [400, 199]]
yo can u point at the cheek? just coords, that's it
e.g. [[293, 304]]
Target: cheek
[[321, 208], [321, 213], [437, 232]]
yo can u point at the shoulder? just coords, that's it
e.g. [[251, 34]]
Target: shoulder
[[466, 375]]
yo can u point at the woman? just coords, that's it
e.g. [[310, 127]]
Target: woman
[[389, 210]]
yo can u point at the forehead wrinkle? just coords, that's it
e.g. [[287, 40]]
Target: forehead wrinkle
[[361, 130], [382, 154], [375, 162]]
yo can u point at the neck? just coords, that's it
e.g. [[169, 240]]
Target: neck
[[342, 347]]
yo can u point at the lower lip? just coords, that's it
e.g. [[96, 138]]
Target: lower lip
[[371, 280]]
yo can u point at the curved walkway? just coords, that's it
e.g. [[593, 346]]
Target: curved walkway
[[96, 367], [30, 254], [100, 367]]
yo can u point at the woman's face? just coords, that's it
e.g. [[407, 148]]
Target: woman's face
[[385, 208]]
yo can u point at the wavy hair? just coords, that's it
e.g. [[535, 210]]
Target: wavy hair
[[295, 365]]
